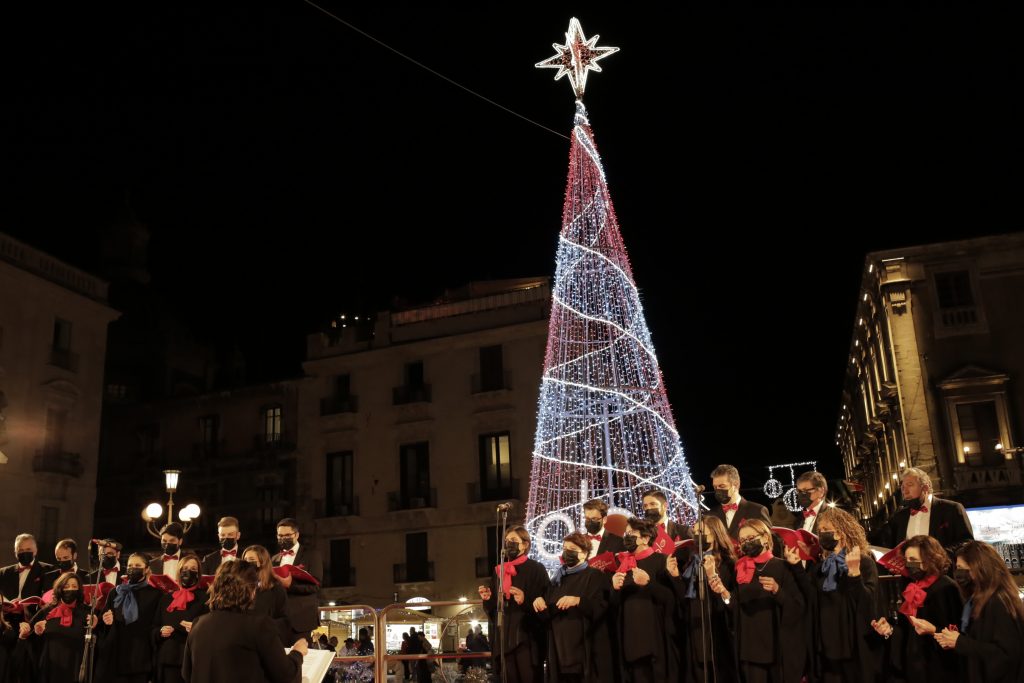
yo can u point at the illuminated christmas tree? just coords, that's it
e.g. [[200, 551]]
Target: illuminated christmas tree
[[604, 426]]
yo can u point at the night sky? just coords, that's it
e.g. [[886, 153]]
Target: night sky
[[291, 169]]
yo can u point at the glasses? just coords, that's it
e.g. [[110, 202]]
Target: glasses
[[285, 538], [813, 488]]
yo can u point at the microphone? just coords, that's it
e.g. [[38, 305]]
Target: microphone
[[104, 543], [504, 507], [698, 488]]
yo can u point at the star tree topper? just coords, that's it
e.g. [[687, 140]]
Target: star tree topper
[[578, 56]]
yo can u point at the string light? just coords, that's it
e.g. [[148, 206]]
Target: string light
[[604, 424], [577, 57], [773, 488]]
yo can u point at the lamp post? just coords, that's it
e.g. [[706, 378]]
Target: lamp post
[[155, 511]]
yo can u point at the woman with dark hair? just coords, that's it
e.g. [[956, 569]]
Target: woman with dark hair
[[990, 634], [524, 581], [574, 608], [232, 644], [61, 625], [842, 588], [767, 609], [706, 650], [126, 642], [645, 604], [270, 594], [931, 602], [175, 613]]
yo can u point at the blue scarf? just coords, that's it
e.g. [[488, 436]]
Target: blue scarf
[[688, 574], [564, 571], [965, 616], [124, 597], [833, 567]]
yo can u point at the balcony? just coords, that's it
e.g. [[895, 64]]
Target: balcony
[[406, 573], [330, 508], [56, 462], [970, 478], [273, 443], [335, 405], [62, 358], [483, 383], [406, 394], [415, 500], [344, 577], [475, 493]]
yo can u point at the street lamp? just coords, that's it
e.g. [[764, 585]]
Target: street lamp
[[155, 511]]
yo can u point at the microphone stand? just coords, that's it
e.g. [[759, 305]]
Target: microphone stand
[[502, 513], [85, 671], [707, 639]]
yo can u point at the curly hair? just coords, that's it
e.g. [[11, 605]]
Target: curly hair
[[234, 588], [265, 569], [934, 560], [579, 540], [644, 528], [847, 526]]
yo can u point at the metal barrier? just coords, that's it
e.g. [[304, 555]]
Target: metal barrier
[[344, 622], [449, 655]]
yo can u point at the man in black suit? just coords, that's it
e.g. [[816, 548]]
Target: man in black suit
[[66, 554], [811, 493], [111, 570], [24, 579], [302, 607], [655, 505], [601, 540], [923, 513], [732, 508], [171, 537], [228, 535]]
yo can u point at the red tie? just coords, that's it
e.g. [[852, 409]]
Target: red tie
[[809, 513], [229, 553], [914, 511], [168, 558], [287, 552], [22, 568], [108, 572], [731, 506], [595, 538]]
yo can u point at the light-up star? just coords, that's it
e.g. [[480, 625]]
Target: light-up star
[[576, 57]]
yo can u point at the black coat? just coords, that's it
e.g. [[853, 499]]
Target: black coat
[[705, 641], [610, 543], [578, 641], [746, 510], [948, 524], [170, 651], [273, 603], [303, 607], [646, 619], [127, 649], [34, 584], [990, 647], [237, 646], [768, 626], [522, 626], [62, 646], [919, 658]]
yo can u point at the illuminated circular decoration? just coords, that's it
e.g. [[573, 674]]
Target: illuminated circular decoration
[[551, 529], [790, 500], [773, 488]]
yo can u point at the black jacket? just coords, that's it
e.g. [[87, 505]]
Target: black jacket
[[34, 584], [747, 510], [990, 647], [237, 646], [303, 606], [948, 524]]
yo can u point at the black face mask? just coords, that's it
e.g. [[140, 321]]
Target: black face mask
[[828, 540], [189, 578], [570, 558], [65, 565], [911, 502], [722, 497], [963, 578], [286, 544], [915, 571], [629, 543], [26, 558], [803, 499], [109, 561], [228, 544], [652, 515], [170, 548], [70, 596], [593, 526], [511, 550], [752, 548], [135, 574]]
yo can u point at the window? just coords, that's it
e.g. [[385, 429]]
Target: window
[[272, 424], [56, 424], [485, 565], [342, 573], [61, 335], [979, 432], [492, 371], [415, 473], [339, 484], [342, 386], [953, 289], [416, 564], [209, 433], [148, 437], [495, 467], [48, 527], [414, 374]]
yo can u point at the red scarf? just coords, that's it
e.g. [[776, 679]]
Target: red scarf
[[510, 571], [745, 567], [65, 611], [914, 595], [181, 598], [627, 560]]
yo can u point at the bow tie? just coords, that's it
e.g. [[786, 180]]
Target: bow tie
[[592, 537], [914, 511], [108, 572], [287, 552], [169, 558], [730, 506], [809, 513], [229, 553], [22, 568]]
